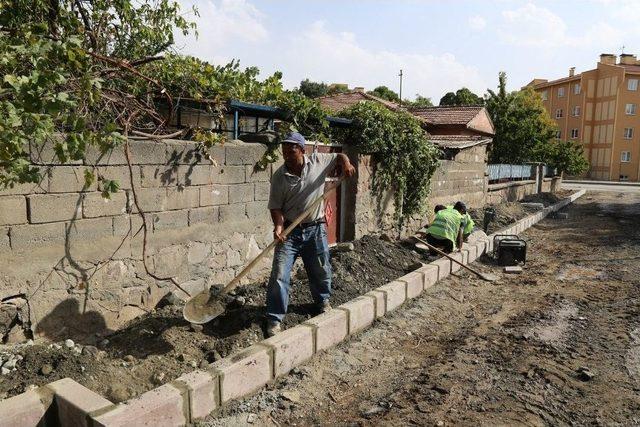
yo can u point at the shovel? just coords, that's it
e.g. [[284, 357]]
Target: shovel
[[208, 305], [488, 277]]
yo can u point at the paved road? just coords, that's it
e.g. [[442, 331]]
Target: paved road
[[609, 188]]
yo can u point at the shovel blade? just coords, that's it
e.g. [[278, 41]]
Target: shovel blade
[[203, 308]]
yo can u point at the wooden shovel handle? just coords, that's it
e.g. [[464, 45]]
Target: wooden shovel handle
[[448, 256], [236, 280]]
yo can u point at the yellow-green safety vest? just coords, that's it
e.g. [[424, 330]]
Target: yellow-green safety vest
[[468, 224], [446, 225]]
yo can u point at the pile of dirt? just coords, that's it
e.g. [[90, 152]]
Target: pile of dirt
[[547, 199], [160, 346], [506, 214]]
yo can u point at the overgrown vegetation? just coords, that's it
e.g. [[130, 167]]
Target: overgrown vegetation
[[406, 159], [461, 97]]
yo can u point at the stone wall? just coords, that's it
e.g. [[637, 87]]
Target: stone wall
[[514, 191], [461, 178], [72, 261]]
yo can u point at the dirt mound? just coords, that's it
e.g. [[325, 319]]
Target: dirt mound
[[506, 213], [161, 345]]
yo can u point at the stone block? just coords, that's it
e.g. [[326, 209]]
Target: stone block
[[4, 239], [291, 348], [458, 256], [114, 156], [330, 328], [472, 252], [395, 294], [45, 154], [121, 175], [94, 205], [54, 207], [415, 283], [88, 230], [69, 179], [229, 175], [253, 175], [444, 267], [244, 154], [188, 153], [32, 236], [241, 193], [362, 313], [203, 392], [211, 195], [430, 273], [148, 152], [162, 175], [258, 210], [183, 198], [28, 187], [170, 220], [74, 401], [13, 210], [513, 269], [163, 406], [380, 303], [207, 215], [200, 175], [262, 190], [244, 372], [236, 212], [193, 287], [26, 409]]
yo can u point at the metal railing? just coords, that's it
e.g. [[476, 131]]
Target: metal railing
[[504, 172]]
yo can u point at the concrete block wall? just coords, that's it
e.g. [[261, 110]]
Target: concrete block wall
[[196, 394], [60, 240]]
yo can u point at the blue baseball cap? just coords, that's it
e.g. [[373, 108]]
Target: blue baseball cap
[[294, 138]]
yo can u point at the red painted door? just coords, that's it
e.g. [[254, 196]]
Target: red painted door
[[332, 202]]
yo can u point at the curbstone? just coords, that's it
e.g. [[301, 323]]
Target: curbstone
[[415, 283], [54, 207], [26, 409], [290, 348], [444, 267], [430, 273], [203, 392], [361, 313], [74, 401], [395, 294], [245, 372], [380, 303], [13, 210], [330, 328], [162, 406]]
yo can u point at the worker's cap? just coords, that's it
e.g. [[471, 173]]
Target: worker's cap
[[294, 138], [460, 207]]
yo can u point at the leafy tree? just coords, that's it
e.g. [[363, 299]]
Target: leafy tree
[[385, 93], [406, 160], [420, 101], [522, 124], [565, 156], [462, 96], [313, 89], [336, 88]]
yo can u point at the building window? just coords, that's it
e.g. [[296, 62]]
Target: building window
[[574, 133], [558, 134], [576, 111], [576, 89], [560, 92], [624, 178], [625, 156], [545, 95], [630, 109], [628, 133], [559, 113], [632, 84]]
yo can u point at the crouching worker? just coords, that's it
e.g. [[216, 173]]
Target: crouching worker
[[294, 187], [467, 223], [445, 232]]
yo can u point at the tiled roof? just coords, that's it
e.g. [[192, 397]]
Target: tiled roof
[[631, 68], [558, 81], [458, 141], [340, 101], [447, 115]]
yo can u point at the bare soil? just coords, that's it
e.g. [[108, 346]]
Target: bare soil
[[558, 344]]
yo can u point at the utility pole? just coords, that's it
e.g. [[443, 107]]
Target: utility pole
[[400, 94]]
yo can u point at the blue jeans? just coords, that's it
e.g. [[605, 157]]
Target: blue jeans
[[311, 244]]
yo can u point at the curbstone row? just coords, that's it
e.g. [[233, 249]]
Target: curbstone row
[[196, 394]]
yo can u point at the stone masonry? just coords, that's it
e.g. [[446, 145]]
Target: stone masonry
[[61, 242]]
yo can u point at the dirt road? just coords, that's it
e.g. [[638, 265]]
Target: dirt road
[[558, 344]]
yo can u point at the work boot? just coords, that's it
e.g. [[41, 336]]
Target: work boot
[[273, 327], [324, 306]]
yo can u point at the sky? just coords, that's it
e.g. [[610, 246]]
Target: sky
[[440, 45]]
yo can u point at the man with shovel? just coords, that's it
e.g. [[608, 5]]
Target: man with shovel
[[294, 187]]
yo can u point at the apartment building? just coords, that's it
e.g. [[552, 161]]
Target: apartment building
[[599, 108]]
